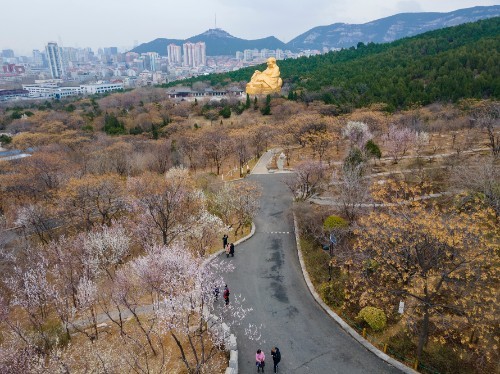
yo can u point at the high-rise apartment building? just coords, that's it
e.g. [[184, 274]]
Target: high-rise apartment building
[[8, 53], [188, 54], [174, 54], [54, 57], [111, 51], [152, 61], [200, 53], [194, 54], [38, 58]]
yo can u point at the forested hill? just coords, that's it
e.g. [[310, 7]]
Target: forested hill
[[442, 65]]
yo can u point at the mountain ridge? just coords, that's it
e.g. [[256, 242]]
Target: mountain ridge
[[388, 29], [334, 36]]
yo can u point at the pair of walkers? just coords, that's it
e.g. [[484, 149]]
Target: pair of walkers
[[230, 250], [225, 294], [229, 247], [260, 359]]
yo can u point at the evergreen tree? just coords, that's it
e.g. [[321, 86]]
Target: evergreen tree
[[225, 112], [154, 131], [267, 108], [112, 126]]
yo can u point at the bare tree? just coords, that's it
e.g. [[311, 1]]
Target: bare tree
[[307, 179], [479, 177], [165, 206], [236, 203], [242, 151], [353, 190], [487, 116], [398, 141], [217, 146]]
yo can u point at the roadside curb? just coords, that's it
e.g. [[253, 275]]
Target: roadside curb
[[365, 343], [232, 345]]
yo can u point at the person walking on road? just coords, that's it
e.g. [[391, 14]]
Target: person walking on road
[[231, 249], [224, 241], [225, 295], [260, 359], [228, 250], [275, 352]]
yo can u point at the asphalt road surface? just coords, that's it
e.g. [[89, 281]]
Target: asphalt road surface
[[268, 276]]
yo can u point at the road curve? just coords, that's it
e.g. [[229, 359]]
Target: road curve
[[269, 277]]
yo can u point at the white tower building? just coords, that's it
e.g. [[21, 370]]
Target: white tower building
[[54, 57]]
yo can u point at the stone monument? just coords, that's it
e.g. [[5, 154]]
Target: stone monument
[[267, 81], [281, 161]]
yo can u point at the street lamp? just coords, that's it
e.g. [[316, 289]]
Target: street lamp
[[333, 242]]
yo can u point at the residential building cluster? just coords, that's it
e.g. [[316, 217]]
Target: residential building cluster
[[260, 56], [72, 68]]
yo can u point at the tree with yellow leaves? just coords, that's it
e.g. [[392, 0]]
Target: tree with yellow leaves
[[441, 261]]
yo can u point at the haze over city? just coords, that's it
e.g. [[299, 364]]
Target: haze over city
[[123, 23]]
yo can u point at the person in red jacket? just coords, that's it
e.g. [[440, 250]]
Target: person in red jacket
[[260, 360], [225, 295]]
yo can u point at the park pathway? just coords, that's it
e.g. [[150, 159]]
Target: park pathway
[[269, 277]]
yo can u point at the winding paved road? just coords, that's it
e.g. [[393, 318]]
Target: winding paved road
[[268, 275]]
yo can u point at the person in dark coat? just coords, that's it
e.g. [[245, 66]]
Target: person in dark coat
[[224, 241], [225, 295], [231, 249], [275, 352]]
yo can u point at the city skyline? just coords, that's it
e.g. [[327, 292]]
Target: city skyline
[[120, 23]]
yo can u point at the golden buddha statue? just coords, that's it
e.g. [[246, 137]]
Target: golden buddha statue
[[267, 81]]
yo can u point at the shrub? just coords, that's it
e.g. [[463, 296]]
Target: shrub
[[375, 317], [136, 130], [225, 112], [332, 292], [5, 139], [353, 159], [373, 149], [15, 115], [70, 108], [334, 222]]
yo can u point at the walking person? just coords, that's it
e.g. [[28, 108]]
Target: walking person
[[216, 293], [275, 352], [231, 249], [224, 241], [228, 250], [225, 295], [260, 360]]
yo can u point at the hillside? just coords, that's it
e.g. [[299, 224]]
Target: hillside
[[342, 35], [442, 65]]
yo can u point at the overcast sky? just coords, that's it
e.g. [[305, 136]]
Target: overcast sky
[[30, 24]]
